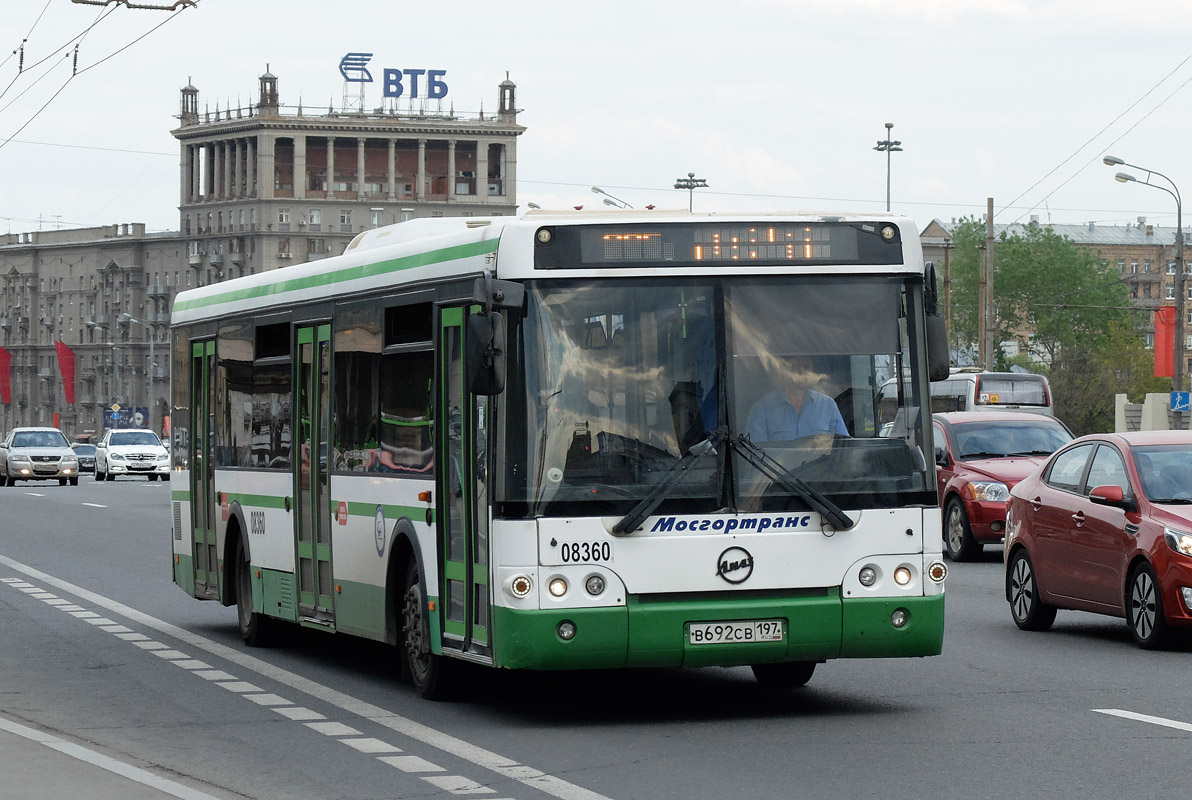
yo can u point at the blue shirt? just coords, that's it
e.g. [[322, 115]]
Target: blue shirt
[[774, 419]]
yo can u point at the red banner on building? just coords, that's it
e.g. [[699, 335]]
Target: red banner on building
[[5, 376], [66, 365], [1164, 341]]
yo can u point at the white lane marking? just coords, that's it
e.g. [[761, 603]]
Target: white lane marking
[[240, 687], [192, 663], [267, 699], [1167, 723], [411, 764], [299, 713], [70, 608], [151, 645], [457, 784], [370, 745], [474, 754], [34, 494], [333, 729], [132, 637], [215, 675], [104, 762], [95, 505]]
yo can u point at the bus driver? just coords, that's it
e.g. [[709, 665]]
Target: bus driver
[[795, 409]]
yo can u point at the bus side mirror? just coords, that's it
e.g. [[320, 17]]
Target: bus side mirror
[[938, 361], [938, 358], [484, 354]]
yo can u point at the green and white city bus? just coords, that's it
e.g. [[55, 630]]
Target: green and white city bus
[[523, 443]]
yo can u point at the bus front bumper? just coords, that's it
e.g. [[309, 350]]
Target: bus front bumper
[[654, 631]]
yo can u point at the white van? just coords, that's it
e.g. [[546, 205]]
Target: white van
[[968, 389]]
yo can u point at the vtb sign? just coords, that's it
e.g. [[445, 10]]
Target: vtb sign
[[427, 83]]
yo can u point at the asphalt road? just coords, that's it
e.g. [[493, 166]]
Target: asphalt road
[[98, 646]]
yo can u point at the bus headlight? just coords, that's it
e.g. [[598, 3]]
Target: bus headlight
[[557, 587], [902, 576], [594, 585], [867, 576], [899, 617]]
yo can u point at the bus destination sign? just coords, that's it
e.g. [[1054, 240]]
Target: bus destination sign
[[719, 244]]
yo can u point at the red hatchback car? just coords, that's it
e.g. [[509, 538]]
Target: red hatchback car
[[979, 456], [1106, 526]]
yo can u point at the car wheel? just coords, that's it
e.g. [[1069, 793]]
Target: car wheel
[[9, 480], [109, 476], [152, 477], [74, 481], [1144, 609], [254, 627], [1030, 613], [98, 473], [959, 543], [789, 675], [427, 670]]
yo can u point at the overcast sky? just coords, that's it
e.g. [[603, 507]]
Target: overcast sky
[[777, 104]]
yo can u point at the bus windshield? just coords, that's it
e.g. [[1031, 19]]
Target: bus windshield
[[612, 383]]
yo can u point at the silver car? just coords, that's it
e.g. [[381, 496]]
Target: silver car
[[37, 454]]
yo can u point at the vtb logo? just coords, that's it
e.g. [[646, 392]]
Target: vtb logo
[[354, 67]]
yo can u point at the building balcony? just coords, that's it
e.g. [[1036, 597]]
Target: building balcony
[[5, 322], [216, 259], [237, 258], [160, 373], [47, 321], [45, 372], [103, 320], [158, 290], [85, 399], [194, 259]]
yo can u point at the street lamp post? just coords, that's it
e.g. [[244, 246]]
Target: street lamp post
[[690, 183], [1177, 348], [610, 200], [150, 403], [887, 146]]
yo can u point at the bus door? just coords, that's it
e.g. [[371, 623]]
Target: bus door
[[312, 528], [462, 507], [202, 469]]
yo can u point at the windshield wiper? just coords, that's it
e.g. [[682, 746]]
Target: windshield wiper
[[984, 454], [772, 469], [630, 521], [1173, 501], [1032, 453]]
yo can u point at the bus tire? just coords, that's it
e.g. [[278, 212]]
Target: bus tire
[[427, 671], [253, 626], [787, 675], [959, 543]]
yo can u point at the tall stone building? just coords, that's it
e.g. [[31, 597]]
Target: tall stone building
[[262, 187], [1142, 254]]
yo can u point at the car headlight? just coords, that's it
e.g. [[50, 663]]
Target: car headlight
[[163, 457], [989, 491], [17, 459], [115, 456], [1178, 541], [70, 462]]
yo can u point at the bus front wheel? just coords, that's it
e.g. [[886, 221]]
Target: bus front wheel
[[788, 675], [426, 670], [254, 627]]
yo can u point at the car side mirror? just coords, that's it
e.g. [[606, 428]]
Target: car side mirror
[[1111, 495]]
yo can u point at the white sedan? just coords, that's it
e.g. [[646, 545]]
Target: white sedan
[[131, 451]]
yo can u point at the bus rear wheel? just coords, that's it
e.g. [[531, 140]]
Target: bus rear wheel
[[426, 670], [254, 627], [788, 675]]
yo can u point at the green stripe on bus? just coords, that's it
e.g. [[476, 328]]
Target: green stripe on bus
[[343, 275], [256, 500], [369, 510], [181, 495]]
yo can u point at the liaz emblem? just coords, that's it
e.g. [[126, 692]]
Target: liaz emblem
[[735, 565]]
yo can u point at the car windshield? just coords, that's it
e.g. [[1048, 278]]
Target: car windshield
[[135, 437], [39, 439], [1165, 472], [84, 449], [1010, 438]]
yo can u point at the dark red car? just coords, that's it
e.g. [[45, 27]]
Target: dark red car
[[1106, 526], [979, 456]]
